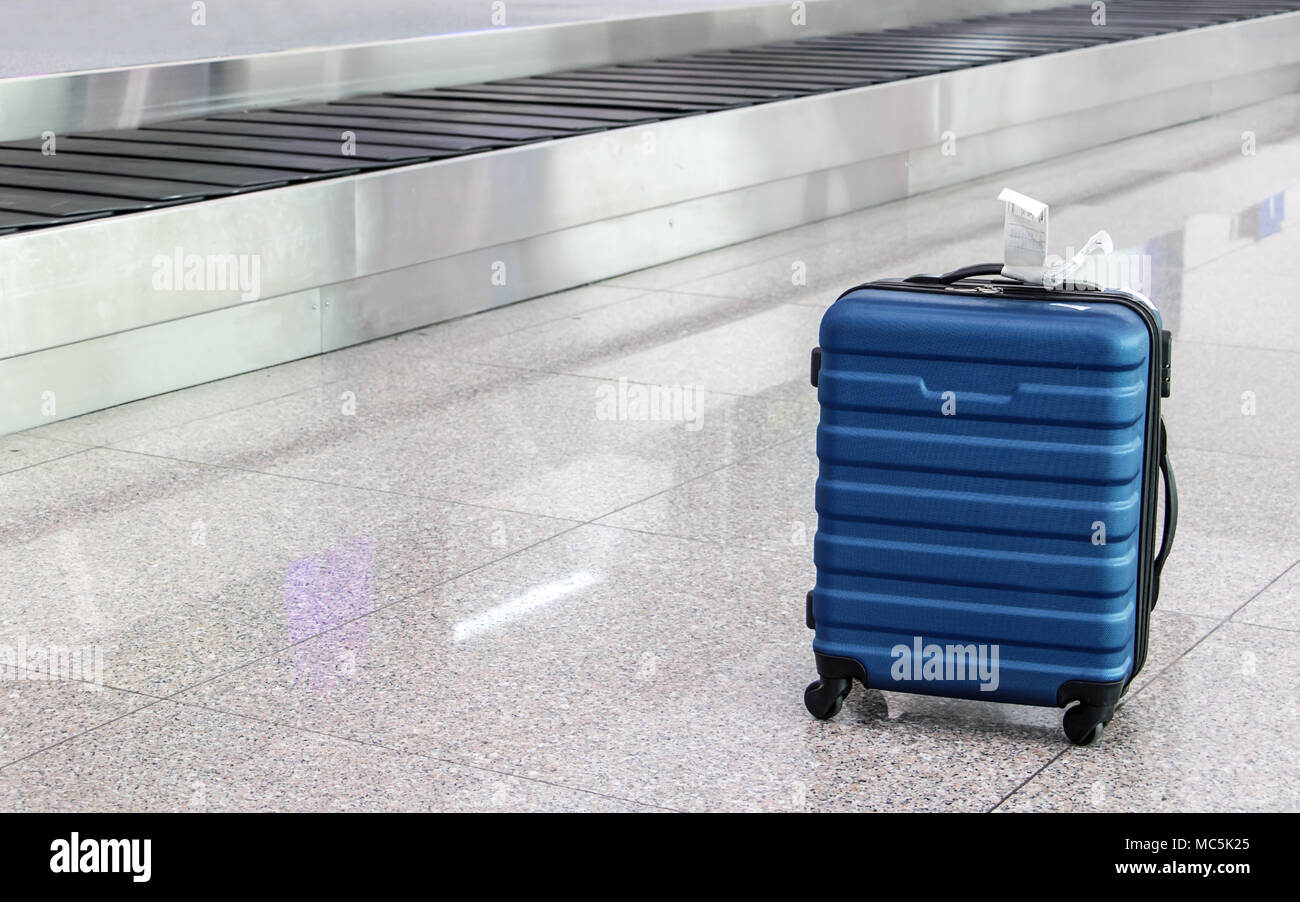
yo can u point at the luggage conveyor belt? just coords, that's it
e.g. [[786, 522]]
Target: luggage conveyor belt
[[403, 230], [109, 173]]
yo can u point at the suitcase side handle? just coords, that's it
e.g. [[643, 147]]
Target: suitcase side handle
[[966, 272], [1171, 514]]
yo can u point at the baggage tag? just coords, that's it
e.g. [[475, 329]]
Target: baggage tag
[[1024, 248], [1082, 271], [1024, 237]]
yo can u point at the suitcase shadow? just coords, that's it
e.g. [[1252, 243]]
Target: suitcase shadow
[[950, 715]]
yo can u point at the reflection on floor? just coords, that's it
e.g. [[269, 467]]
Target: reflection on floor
[[554, 556]]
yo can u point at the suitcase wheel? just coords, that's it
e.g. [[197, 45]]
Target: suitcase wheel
[[1083, 723], [824, 698]]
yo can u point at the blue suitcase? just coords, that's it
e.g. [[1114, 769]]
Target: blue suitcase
[[990, 453]]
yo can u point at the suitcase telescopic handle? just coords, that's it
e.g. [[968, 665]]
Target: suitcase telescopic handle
[[1171, 513], [966, 272]]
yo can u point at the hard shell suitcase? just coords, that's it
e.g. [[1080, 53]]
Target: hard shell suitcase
[[990, 453]]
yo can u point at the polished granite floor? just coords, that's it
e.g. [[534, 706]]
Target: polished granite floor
[[464, 568]]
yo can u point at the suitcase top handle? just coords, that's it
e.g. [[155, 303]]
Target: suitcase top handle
[[966, 272], [995, 269]]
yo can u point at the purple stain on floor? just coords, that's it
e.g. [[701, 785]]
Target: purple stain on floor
[[335, 587], [1272, 214]]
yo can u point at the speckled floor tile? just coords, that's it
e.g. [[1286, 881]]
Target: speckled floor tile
[[179, 571], [116, 423], [559, 446], [157, 646], [816, 276], [1236, 529], [1234, 399], [1206, 208], [1278, 605], [1244, 298], [563, 305], [1172, 635], [176, 758], [21, 450], [764, 354], [764, 501], [1211, 141], [1215, 732], [37, 712], [658, 669], [738, 344], [609, 334], [1212, 573]]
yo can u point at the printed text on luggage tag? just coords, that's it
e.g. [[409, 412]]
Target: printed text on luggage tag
[[1024, 236]]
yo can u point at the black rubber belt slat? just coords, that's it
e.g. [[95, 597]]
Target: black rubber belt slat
[[120, 171], [1078, 32], [672, 104], [700, 82], [811, 81], [886, 50], [432, 100], [225, 156], [689, 91], [329, 137], [493, 133], [914, 64], [976, 41], [1115, 32], [1132, 17], [848, 62], [430, 117], [243, 177], [419, 109], [115, 186], [331, 149], [959, 41], [68, 203], [799, 70], [991, 49], [11, 220]]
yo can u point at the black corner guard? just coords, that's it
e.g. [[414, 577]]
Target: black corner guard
[[816, 365], [1103, 695], [807, 611], [833, 667]]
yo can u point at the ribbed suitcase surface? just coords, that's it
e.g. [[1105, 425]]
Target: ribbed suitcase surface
[[981, 484]]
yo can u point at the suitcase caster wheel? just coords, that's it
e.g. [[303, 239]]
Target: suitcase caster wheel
[[824, 698], [1083, 723]]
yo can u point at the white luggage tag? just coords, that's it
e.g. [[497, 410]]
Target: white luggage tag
[[1024, 237], [1024, 248]]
